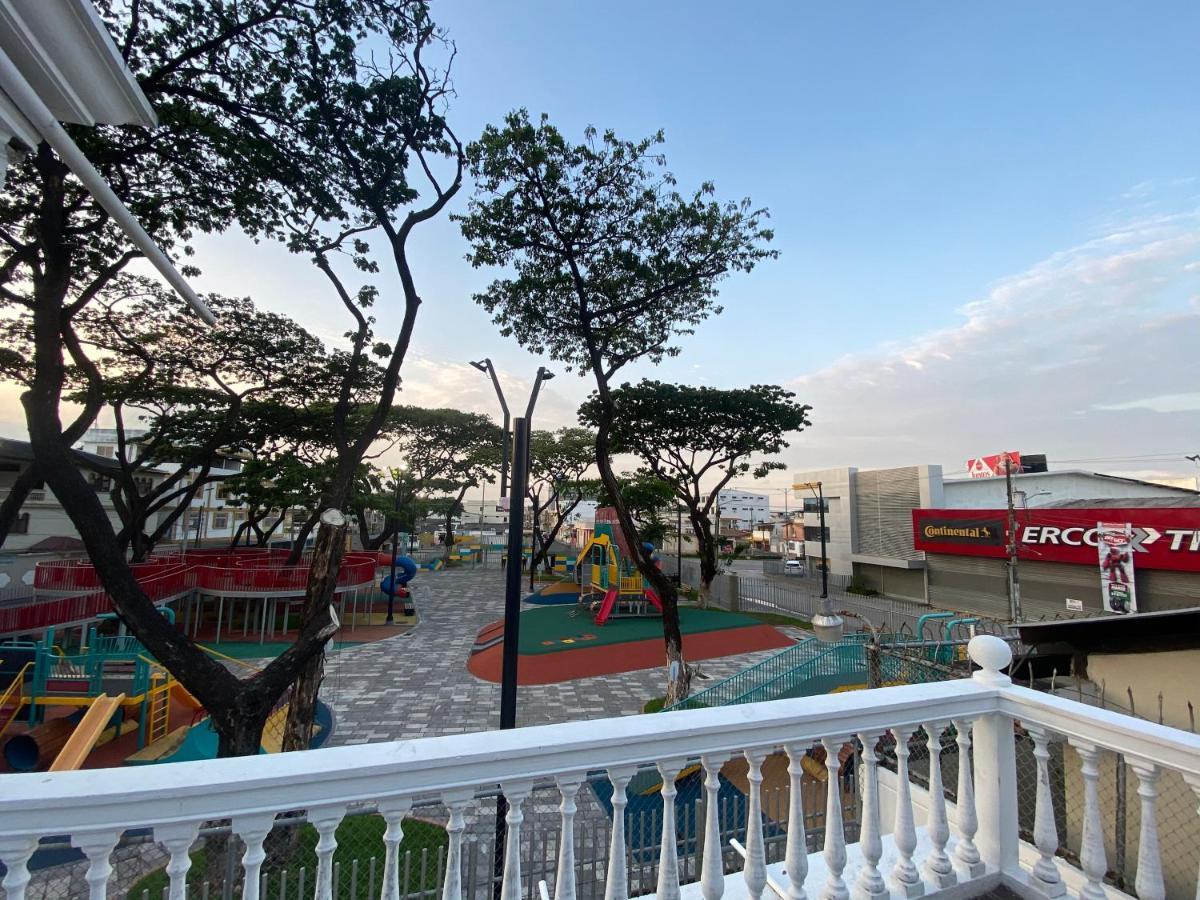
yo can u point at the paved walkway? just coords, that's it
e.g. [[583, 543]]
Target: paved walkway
[[417, 685]]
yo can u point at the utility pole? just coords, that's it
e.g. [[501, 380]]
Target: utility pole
[[1014, 581]]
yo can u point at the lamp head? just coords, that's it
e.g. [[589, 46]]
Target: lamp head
[[482, 365], [544, 374], [828, 627]]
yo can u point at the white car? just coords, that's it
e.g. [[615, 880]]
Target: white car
[[793, 567]]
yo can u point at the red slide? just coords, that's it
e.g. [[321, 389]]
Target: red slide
[[606, 607], [653, 598]]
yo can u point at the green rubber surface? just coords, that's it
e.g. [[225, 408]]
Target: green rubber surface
[[553, 628], [254, 650]]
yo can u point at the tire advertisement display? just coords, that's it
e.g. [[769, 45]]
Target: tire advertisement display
[[1114, 541]]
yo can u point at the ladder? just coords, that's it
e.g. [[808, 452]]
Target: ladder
[[159, 712]]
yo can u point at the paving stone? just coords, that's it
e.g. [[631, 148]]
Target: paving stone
[[417, 685]]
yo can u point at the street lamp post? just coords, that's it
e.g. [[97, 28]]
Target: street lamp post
[[512, 572], [827, 624], [485, 366], [395, 549]]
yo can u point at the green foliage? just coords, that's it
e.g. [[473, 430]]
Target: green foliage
[[559, 460], [358, 837], [610, 262], [698, 439]]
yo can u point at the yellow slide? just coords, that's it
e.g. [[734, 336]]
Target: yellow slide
[[86, 733]]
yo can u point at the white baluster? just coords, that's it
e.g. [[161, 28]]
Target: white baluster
[[253, 830], [616, 884], [796, 860], [393, 810], [326, 820], [835, 835], [97, 846], [712, 874], [904, 877], [1091, 845], [1045, 877], [1149, 882], [755, 869], [564, 880], [456, 802], [870, 883], [516, 794], [15, 853], [668, 853], [178, 839], [937, 868], [965, 851]]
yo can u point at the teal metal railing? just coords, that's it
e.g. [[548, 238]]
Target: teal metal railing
[[766, 680]]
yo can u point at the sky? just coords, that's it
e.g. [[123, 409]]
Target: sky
[[988, 217]]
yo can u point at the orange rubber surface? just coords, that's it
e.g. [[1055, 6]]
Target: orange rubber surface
[[611, 659]]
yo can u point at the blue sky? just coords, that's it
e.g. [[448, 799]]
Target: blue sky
[[988, 215]]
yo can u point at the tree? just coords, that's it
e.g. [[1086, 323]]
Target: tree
[[447, 452], [271, 120], [689, 437], [646, 497], [558, 462], [609, 265]]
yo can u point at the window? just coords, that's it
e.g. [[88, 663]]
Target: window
[[220, 521], [21, 526], [813, 504], [100, 482], [105, 450], [813, 533], [193, 521]]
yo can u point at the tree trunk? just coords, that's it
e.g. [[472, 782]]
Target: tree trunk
[[10, 509], [322, 580], [707, 548], [679, 674], [301, 539]]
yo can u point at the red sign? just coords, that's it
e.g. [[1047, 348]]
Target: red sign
[[992, 466], [1161, 538]]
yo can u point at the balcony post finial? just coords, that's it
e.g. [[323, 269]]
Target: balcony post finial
[[992, 655]]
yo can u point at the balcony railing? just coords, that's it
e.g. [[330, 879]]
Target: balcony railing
[[909, 840]]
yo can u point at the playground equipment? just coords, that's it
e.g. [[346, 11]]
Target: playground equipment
[[615, 586], [259, 582], [408, 570]]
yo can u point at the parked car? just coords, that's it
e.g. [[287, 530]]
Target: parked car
[[793, 567]]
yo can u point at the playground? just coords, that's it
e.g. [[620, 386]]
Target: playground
[[583, 618], [77, 692], [558, 646]]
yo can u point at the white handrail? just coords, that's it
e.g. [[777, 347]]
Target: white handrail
[[220, 788]]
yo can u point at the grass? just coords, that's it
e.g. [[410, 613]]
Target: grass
[[358, 837], [654, 704], [780, 619]]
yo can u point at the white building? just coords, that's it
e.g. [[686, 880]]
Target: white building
[[743, 510], [42, 522], [211, 518]]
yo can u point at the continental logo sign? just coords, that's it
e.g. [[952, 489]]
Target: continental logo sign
[[981, 532]]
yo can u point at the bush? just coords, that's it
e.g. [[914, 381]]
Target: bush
[[359, 837]]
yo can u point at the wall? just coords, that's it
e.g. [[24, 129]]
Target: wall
[[907, 584], [980, 584], [838, 488], [1174, 673]]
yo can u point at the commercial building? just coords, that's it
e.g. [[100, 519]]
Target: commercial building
[[1058, 560], [742, 510], [870, 535], [868, 524]]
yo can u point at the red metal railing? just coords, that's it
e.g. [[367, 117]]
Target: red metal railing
[[243, 572]]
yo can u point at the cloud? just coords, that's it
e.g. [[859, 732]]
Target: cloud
[[1089, 353]]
